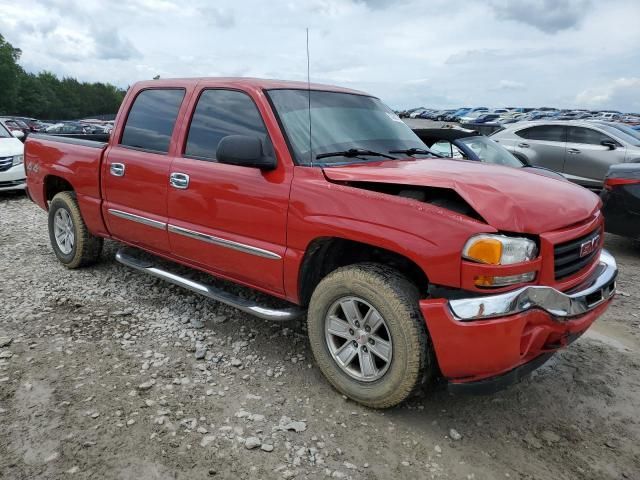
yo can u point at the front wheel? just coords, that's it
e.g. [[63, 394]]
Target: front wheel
[[368, 336], [72, 242]]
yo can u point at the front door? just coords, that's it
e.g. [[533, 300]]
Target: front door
[[229, 219], [135, 175], [588, 161]]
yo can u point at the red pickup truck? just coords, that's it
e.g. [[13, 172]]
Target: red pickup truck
[[412, 270]]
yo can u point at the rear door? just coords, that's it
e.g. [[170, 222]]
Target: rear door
[[587, 160], [542, 145], [229, 219], [135, 175]]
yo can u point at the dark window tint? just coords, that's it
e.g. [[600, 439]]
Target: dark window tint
[[220, 113], [550, 133], [586, 135], [151, 119]]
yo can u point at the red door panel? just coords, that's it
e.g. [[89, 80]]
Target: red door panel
[[231, 220], [135, 206]]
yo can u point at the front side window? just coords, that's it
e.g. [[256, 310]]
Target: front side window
[[549, 133], [151, 119], [4, 133], [339, 122], [220, 113], [586, 136]]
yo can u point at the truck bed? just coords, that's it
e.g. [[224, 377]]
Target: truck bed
[[51, 159]]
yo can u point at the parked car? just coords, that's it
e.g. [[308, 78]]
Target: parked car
[[621, 200], [466, 144], [582, 151], [409, 267], [486, 118], [12, 176], [71, 128], [574, 116], [472, 115], [15, 127]]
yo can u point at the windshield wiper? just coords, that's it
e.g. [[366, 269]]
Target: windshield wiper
[[355, 152], [417, 151]]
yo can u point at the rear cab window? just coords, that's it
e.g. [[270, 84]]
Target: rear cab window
[[151, 119], [220, 113]]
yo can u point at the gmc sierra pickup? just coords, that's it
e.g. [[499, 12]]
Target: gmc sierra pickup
[[411, 269]]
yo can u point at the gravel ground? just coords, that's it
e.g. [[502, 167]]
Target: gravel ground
[[107, 373]]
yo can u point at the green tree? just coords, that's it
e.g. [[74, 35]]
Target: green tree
[[45, 96], [10, 73]]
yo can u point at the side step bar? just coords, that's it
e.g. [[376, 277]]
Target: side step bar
[[247, 306]]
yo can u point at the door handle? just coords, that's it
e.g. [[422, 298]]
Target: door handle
[[523, 145], [573, 151], [117, 169], [179, 180]]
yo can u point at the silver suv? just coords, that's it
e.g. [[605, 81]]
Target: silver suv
[[581, 150]]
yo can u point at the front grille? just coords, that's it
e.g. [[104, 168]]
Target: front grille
[[567, 259], [5, 163]]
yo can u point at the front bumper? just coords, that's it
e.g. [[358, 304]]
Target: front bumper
[[13, 179], [480, 338]]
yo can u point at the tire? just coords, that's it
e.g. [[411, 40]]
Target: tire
[[83, 248], [412, 361]]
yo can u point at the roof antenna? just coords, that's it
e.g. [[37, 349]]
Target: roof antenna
[[309, 98]]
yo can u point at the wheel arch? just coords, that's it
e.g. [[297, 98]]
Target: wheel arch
[[326, 254]]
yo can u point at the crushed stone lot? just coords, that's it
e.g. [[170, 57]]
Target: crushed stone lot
[[108, 373]]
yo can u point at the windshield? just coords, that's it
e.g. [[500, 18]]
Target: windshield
[[490, 152], [4, 133], [340, 122]]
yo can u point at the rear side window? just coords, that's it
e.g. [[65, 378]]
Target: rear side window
[[549, 133], [220, 113], [151, 119], [586, 135]]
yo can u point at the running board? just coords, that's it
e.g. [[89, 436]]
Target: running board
[[247, 306]]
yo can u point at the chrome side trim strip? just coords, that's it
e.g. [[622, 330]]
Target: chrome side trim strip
[[289, 313], [595, 291], [137, 218], [241, 247]]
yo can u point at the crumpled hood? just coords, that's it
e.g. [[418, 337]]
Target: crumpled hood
[[507, 198]]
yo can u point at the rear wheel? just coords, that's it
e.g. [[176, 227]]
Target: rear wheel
[[368, 336], [71, 241]]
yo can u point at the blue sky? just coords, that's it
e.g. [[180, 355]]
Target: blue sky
[[440, 53]]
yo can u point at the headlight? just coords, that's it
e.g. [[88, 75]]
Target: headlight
[[17, 160], [499, 249]]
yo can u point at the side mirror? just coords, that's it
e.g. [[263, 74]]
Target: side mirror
[[18, 134], [609, 143], [244, 151]]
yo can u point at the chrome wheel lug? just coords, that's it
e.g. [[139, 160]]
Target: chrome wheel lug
[[367, 329], [372, 341], [351, 332]]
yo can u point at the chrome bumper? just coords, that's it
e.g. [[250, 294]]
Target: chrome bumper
[[598, 289]]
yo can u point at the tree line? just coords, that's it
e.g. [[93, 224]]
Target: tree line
[[45, 96]]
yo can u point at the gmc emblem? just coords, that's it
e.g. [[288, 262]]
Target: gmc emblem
[[589, 246]]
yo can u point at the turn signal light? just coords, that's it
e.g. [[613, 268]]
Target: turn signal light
[[491, 281]]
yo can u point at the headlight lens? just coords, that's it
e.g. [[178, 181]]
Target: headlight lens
[[18, 159], [499, 249]]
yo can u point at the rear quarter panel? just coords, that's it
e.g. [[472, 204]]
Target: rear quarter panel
[[77, 164]]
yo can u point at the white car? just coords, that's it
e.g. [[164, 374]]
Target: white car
[[12, 174]]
